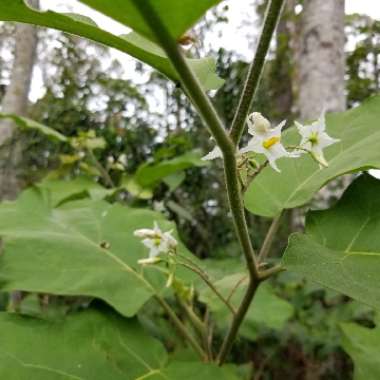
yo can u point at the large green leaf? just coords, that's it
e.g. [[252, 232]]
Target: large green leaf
[[60, 191], [178, 16], [90, 345], [341, 247], [148, 175], [362, 344], [132, 44], [82, 248], [267, 308], [301, 178]]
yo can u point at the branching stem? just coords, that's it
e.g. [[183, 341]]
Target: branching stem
[[228, 145]]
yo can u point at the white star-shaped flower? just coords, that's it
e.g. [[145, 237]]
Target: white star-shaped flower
[[156, 241], [266, 140], [315, 139]]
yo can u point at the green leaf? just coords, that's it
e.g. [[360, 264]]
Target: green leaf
[[82, 248], [300, 178], [61, 191], [135, 189], [174, 180], [267, 309], [362, 344], [90, 345], [178, 16], [341, 247], [148, 175], [24, 122], [132, 44]]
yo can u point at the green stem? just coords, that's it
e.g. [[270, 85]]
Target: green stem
[[269, 238], [194, 89], [181, 328], [189, 81], [253, 78], [204, 277], [107, 178], [265, 274]]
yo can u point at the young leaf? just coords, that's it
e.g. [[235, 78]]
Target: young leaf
[[300, 178], [148, 175], [341, 246], [132, 44]]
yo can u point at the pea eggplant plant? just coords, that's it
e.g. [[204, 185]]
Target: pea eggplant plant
[[61, 242]]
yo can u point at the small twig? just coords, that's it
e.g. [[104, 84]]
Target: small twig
[[269, 238], [234, 289], [265, 274], [104, 173], [182, 329], [210, 285]]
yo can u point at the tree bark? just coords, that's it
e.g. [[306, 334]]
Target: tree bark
[[321, 58], [16, 101]]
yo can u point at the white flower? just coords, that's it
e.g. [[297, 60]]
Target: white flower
[[157, 242], [123, 159], [258, 125], [215, 153], [266, 140], [315, 139]]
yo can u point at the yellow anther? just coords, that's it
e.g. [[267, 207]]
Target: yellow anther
[[270, 142]]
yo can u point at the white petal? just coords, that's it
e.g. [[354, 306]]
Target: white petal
[[144, 233], [254, 145], [215, 153], [149, 260], [324, 140], [277, 130], [303, 130], [258, 124]]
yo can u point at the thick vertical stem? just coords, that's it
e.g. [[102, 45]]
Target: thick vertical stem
[[253, 78]]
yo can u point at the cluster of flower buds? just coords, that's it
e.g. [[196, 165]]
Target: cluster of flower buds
[[267, 140], [162, 247]]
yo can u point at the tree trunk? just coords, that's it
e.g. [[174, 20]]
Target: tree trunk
[[16, 101], [321, 58]]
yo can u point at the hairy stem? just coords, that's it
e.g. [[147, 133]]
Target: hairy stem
[[203, 104], [253, 78], [269, 238], [204, 277]]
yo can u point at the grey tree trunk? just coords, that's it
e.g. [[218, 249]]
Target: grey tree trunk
[[16, 101], [321, 58]]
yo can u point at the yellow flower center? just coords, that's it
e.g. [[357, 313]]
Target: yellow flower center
[[313, 138], [270, 142], [157, 241]]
